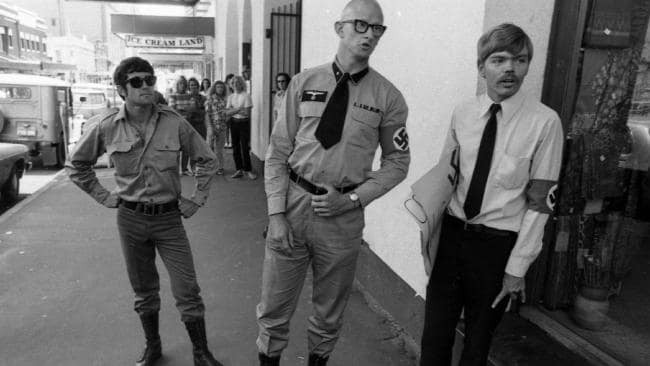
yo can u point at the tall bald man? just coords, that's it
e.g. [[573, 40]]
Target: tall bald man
[[319, 178]]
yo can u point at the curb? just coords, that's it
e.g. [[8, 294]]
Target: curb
[[20, 205], [410, 345]]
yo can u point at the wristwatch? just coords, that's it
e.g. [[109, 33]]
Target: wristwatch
[[355, 199]]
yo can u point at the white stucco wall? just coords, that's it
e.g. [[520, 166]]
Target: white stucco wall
[[429, 53]]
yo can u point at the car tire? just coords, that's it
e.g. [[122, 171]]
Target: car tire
[[10, 191]]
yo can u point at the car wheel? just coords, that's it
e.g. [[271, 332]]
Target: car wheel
[[11, 189]]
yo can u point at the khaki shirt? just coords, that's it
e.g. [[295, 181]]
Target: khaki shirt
[[376, 115], [146, 167], [522, 183]]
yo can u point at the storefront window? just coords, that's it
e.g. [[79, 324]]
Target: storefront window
[[601, 239]]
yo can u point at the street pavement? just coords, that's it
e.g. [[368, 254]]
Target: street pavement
[[65, 298]]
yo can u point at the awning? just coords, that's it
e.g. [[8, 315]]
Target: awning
[[162, 25], [159, 2]]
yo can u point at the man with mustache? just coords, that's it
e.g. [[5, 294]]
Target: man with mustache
[[319, 177], [510, 156]]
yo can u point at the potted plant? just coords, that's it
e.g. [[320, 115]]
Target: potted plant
[[591, 304]]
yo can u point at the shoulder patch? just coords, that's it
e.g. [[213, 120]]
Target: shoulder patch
[[313, 96], [401, 139]]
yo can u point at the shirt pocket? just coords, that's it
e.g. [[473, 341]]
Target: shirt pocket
[[124, 157], [310, 114], [364, 128], [166, 155], [512, 171]]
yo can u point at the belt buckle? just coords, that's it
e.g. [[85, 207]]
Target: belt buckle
[[148, 209]]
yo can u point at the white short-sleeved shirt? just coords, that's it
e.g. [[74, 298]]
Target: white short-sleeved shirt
[[239, 100]]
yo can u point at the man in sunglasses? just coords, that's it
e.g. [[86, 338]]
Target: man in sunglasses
[[319, 177], [143, 140]]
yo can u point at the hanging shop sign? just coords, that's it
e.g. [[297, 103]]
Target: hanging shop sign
[[164, 42]]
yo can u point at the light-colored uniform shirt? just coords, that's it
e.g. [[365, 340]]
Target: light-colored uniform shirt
[[376, 115], [145, 157], [522, 183], [239, 100]]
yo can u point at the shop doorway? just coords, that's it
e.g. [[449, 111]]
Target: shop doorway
[[285, 38], [598, 247]]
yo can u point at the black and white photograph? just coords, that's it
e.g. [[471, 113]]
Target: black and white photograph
[[312, 183]]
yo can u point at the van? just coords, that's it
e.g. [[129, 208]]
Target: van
[[34, 112]]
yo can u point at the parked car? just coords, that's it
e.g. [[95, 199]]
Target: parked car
[[34, 112], [14, 160]]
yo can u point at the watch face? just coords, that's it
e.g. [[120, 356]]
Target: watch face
[[354, 197]]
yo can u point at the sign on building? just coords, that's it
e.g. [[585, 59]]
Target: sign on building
[[133, 40]]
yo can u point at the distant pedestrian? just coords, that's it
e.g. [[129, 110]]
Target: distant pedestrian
[[143, 140], [230, 90], [196, 106], [159, 98], [228, 81], [205, 86], [282, 82], [215, 119], [239, 108], [180, 101]]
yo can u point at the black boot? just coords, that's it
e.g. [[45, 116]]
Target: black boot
[[316, 360], [153, 349], [269, 361], [202, 355]]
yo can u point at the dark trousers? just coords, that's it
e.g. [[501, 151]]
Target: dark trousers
[[468, 273], [240, 131], [140, 236]]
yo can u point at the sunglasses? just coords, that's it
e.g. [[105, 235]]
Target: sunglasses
[[361, 26], [138, 81]]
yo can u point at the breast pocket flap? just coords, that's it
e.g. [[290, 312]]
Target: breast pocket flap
[[121, 146], [368, 118], [311, 109]]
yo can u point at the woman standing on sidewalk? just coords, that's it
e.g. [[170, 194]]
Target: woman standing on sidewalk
[[215, 121], [239, 107]]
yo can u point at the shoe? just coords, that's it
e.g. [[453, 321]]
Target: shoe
[[200, 351], [316, 360], [153, 349], [220, 171], [269, 361], [238, 174], [251, 175]]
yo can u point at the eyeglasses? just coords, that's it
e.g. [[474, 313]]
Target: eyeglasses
[[138, 81], [282, 81], [361, 26]]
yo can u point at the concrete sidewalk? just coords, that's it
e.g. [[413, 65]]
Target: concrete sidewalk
[[65, 298]]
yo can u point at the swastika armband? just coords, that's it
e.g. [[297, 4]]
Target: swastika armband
[[394, 138], [541, 195]]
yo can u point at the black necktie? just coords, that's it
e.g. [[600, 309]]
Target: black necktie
[[474, 198], [330, 127]]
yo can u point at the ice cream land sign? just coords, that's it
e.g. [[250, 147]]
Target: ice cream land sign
[[164, 42]]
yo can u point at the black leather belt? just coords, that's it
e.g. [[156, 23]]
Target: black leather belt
[[459, 224], [314, 189], [150, 209]]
